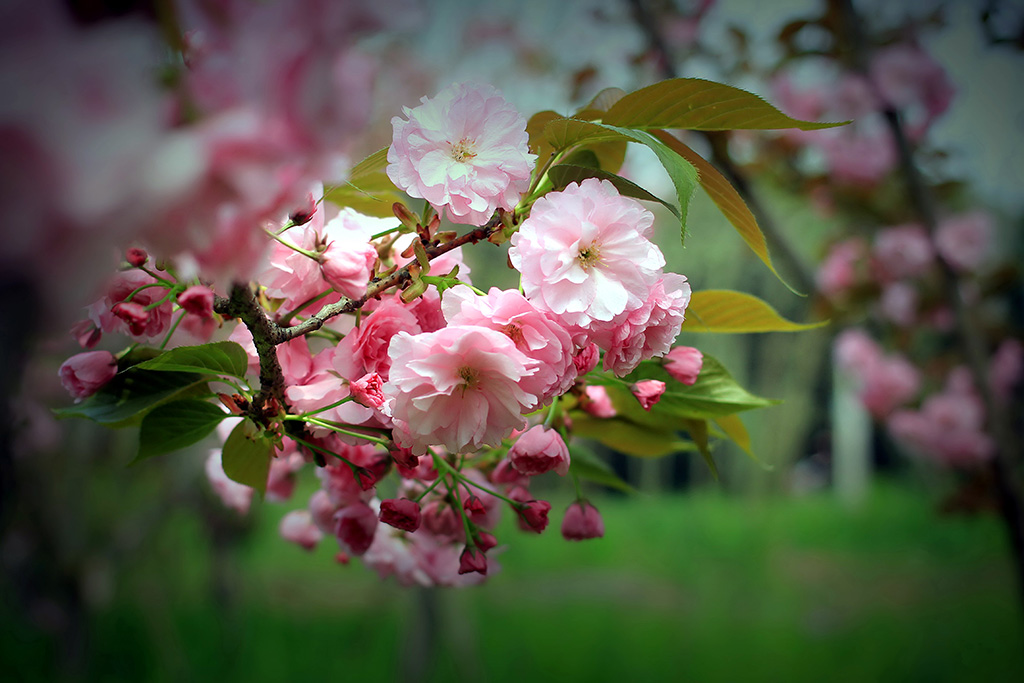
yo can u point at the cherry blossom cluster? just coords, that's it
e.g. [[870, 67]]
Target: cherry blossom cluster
[[465, 394]]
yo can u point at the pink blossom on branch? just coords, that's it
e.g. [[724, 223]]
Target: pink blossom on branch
[[458, 387], [464, 151], [585, 253]]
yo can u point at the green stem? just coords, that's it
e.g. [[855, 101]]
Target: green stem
[[458, 475], [351, 465], [338, 428], [326, 408], [304, 252], [287, 318], [170, 332]]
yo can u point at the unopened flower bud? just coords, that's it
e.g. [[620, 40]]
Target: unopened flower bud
[[354, 526], [684, 364], [587, 359], [539, 450], [533, 514], [582, 521], [597, 402], [472, 560], [368, 390], [401, 513], [136, 257], [648, 392], [197, 300], [85, 373], [485, 541]]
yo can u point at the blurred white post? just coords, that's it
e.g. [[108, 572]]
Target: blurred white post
[[851, 441]]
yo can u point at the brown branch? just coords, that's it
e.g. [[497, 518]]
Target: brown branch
[[267, 334]]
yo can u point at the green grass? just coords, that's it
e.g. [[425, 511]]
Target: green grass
[[702, 587]]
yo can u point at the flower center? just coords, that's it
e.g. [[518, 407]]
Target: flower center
[[470, 377], [589, 256], [514, 332], [462, 151]]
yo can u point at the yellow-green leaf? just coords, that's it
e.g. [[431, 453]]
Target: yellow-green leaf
[[723, 310], [697, 104], [698, 430], [368, 188], [246, 456], [725, 197]]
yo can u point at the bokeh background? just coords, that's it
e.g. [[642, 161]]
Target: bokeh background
[[782, 569]]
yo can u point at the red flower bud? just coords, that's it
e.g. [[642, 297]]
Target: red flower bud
[[401, 513], [197, 300], [582, 521], [136, 257], [648, 392], [132, 313], [472, 560]]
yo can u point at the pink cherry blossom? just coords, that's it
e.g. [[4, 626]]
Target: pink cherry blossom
[[464, 151], [838, 272], [457, 387], [236, 496], [684, 364], [648, 392], [585, 253], [365, 349], [532, 331], [903, 251], [85, 373], [586, 359], [582, 521], [965, 241], [597, 402], [645, 332], [297, 526], [539, 450], [347, 262], [1006, 368]]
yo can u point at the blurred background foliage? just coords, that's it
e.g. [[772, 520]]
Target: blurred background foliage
[[113, 573]]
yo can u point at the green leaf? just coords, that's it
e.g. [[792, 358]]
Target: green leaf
[[715, 393], [726, 198], [698, 430], [627, 436], [175, 425], [734, 428], [563, 174], [219, 358], [697, 104], [565, 133], [368, 188], [535, 128], [585, 464], [723, 310], [246, 456], [133, 392]]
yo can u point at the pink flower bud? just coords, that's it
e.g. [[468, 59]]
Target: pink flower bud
[[684, 364], [648, 392], [539, 450], [597, 402], [85, 373], [197, 300], [298, 527], [136, 256], [368, 390], [442, 521], [132, 313], [587, 359], [401, 513], [354, 526], [582, 521], [472, 560], [485, 541], [533, 514]]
